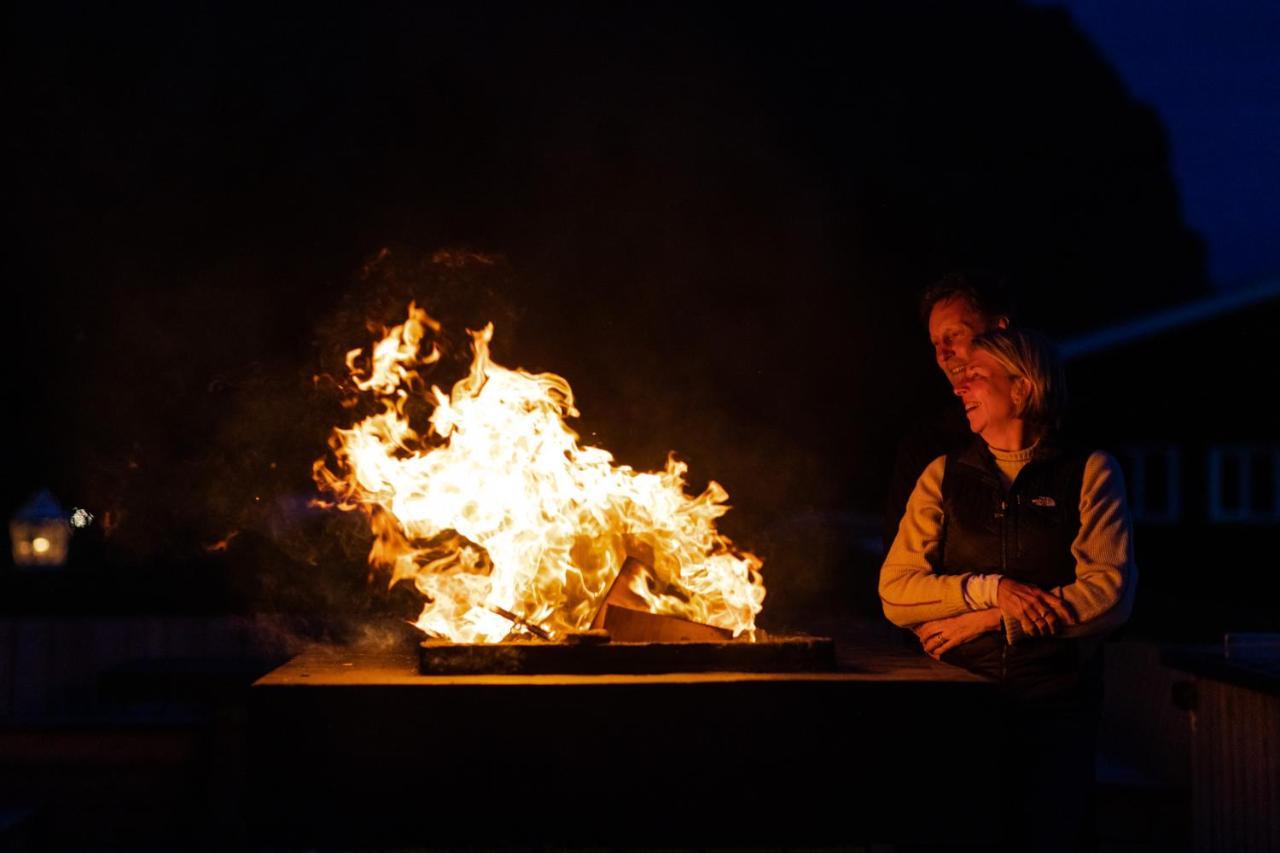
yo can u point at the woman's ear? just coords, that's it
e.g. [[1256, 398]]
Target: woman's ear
[[1020, 390]]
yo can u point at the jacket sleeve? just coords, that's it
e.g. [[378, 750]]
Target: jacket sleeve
[[1106, 575], [910, 591]]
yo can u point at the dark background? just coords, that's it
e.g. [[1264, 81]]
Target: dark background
[[714, 225]]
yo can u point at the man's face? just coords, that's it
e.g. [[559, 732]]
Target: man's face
[[953, 323]]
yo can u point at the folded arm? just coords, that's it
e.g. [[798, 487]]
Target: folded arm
[[910, 591]]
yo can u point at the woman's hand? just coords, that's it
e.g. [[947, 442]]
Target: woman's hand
[[1037, 613], [942, 635]]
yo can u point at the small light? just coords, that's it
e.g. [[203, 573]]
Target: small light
[[39, 533], [81, 518]]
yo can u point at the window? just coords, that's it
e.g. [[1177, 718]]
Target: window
[[1154, 481], [1244, 484]]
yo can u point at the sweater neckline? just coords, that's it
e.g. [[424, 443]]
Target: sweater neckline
[[1023, 455]]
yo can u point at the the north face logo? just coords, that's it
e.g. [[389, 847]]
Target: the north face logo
[[1044, 500]]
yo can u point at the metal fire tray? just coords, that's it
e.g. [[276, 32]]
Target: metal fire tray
[[789, 653]]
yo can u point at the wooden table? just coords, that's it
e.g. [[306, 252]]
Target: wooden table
[[355, 749]]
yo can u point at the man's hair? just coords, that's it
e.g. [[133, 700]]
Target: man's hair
[[1022, 352], [987, 292]]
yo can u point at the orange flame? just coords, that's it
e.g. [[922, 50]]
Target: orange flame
[[503, 521]]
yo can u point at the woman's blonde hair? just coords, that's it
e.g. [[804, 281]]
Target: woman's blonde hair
[[1031, 356]]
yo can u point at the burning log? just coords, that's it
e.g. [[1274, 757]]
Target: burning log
[[620, 593], [537, 630], [640, 626]]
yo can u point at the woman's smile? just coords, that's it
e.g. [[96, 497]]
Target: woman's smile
[[987, 391]]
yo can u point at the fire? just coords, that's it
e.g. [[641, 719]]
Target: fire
[[504, 522]]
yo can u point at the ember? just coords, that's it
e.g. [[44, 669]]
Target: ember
[[508, 526]]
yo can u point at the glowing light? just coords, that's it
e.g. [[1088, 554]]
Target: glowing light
[[503, 521], [222, 544], [81, 518], [40, 545]]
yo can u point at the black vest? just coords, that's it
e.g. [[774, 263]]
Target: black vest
[[1024, 534]]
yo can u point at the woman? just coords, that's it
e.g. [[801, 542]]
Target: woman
[[1012, 560]]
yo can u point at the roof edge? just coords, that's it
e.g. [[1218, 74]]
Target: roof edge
[[1168, 319]]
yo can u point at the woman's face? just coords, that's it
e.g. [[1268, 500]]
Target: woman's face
[[992, 398]]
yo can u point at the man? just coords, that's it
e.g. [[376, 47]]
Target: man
[[954, 309]]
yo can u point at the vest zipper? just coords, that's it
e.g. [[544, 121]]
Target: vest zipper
[[1004, 569]]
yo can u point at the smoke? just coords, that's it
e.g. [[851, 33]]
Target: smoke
[[261, 516]]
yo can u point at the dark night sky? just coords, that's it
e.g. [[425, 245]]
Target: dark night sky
[[713, 227], [1212, 73]]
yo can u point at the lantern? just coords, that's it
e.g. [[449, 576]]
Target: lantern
[[39, 533]]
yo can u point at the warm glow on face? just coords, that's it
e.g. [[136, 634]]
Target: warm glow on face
[[498, 509], [953, 323], [987, 392], [40, 545]]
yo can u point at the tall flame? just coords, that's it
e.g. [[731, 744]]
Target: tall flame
[[503, 521]]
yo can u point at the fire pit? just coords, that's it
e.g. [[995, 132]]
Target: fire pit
[[593, 673], [626, 638]]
